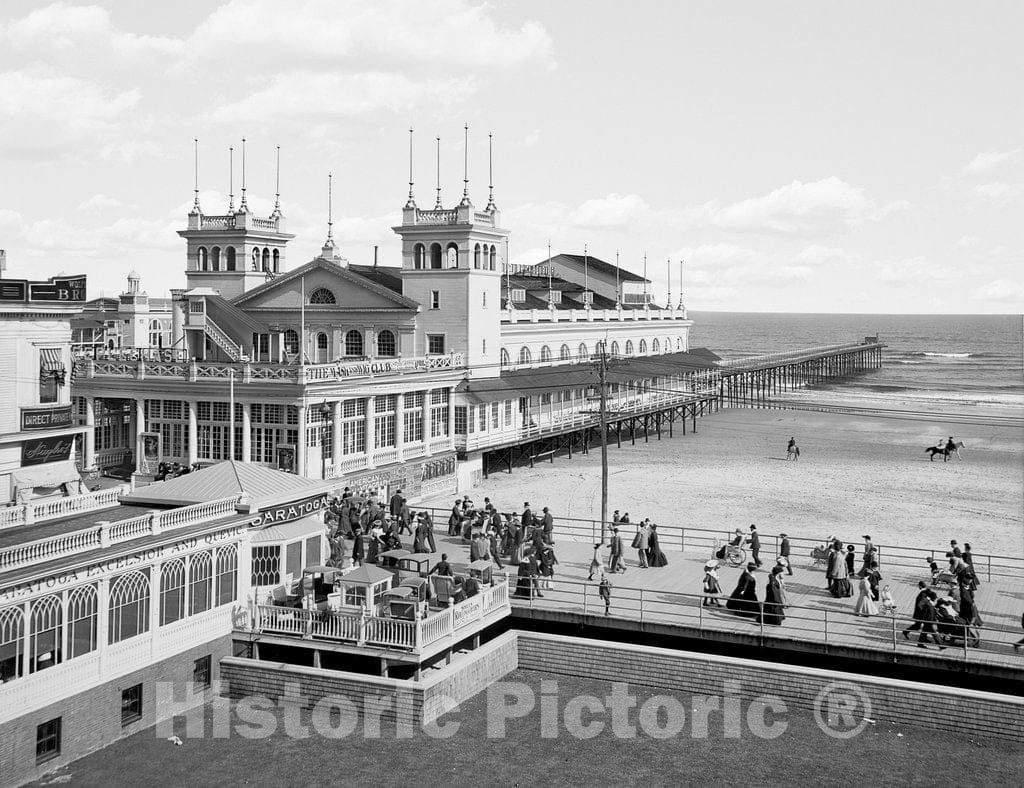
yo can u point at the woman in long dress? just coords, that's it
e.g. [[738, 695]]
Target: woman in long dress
[[743, 601], [712, 588], [840, 586], [655, 557], [866, 605], [517, 543], [774, 599]]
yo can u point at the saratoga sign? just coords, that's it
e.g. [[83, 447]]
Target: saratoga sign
[[289, 512]]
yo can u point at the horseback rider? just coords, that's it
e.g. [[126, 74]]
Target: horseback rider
[[950, 446]]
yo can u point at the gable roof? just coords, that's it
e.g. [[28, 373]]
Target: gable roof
[[225, 314], [386, 277], [345, 274], [224, 480], [595, 264]]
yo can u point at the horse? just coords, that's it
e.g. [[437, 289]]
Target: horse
[[945, 451], [793, 453]]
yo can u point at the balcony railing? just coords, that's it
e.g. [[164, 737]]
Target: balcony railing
[[52, 508]]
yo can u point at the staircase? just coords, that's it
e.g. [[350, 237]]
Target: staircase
[[222, 340]]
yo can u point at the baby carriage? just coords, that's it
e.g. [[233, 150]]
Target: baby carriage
[[953, 629], [819, 555], [887, 602]]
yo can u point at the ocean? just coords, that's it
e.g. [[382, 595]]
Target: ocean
[[969, 365]]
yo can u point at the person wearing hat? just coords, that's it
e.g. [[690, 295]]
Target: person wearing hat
[[784, 552], [755, 545], [455, 518], [743, 601], [527, 516], [615, 563], [548, 524], [712, 588], [870, 555]]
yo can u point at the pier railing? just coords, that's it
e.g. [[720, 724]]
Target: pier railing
[[791, 356], [689, 539], [827, 628]]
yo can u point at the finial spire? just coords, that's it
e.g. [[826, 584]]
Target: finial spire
[[465, 164], [491, 207], [277, 185], [195, 207], [437, 205], [645, 279], [618, 298], [330, 206], [412, 201], [550, 301], [668, 302], [586, 275], [681, 306], [231, 179], [243, 206]]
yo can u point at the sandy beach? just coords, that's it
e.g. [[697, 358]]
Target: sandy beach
[[855, 476]]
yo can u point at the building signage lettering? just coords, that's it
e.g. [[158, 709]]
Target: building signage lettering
[[42, 450], [45, 418], [289, 512], [386, 367], [115, 564], [59, 289]]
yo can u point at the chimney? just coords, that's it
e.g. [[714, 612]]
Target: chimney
[[375, 256]]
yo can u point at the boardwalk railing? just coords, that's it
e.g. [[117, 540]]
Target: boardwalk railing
[[829, 628], [687, 539], [106, 534], [52, 508], [363, 629], [790, 356]]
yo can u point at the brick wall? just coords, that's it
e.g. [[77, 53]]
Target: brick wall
[[91, 720], [892, 700]]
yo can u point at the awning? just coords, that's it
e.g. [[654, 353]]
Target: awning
[[289, 532], [50, 360], [52, 474]]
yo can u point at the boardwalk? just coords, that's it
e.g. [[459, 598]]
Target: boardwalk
[[670, 597]]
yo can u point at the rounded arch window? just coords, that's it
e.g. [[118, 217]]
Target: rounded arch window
[[656, 346], [321, 341], [476, 256], [679, 343], [505, 359], [322, 296], [435, 256], [419, 256], [203, 259], [545, 353], [643, 346], [353, 343], [230, 253], [493, 259], [82, 621], [277, 260], [565, 354], [615, 348], [12, 642], [386, 345], [200, 582], [255, 259], [128, 607], [451, 256], [172, 591], [581, 351], [291, 341], [215, 258], [629, 347], [525, 357], [266, 259], [46, 635]]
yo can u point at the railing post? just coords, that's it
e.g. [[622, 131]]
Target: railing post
[[988, 571], [28, 514], [584, 599], [893, 636], [700, 617], [826, 631], [641, 606], [104, 533]]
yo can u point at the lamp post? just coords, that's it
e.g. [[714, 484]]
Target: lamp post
[[325, 411]]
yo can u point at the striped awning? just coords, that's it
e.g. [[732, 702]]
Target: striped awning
[[50, 360]]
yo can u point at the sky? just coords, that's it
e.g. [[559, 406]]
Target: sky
[[795, 156]]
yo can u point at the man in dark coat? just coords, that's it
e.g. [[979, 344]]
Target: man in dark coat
[[919, 601], [442, 567], [927, 620], [548, 525], [527, 518], [404, 518], [455, 518], [615, 563], [429, 522], [755, 544], [395, 504], [784, 552]]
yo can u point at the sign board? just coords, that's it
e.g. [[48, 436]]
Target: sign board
[[286, 458], [149, 452], [37, 452], [45, 418], [56, 290], [290, 511]]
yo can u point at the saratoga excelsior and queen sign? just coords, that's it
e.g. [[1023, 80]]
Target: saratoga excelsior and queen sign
[[290, 511]]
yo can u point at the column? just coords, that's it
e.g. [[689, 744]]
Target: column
[[246, 432], [399, 424], [102, 618], [301, 449], [370, 438], [89, 439], [451, 417], [426, 423], [140, 427], [193, 434], [336, 436], [154, 606]]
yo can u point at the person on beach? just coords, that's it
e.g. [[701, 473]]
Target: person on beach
[[712, 588], [755, 545], [792, 450], [743, 600], [784, 551], [615, 558], [865, 603], [774, 599], [655, 557], [604, 590]]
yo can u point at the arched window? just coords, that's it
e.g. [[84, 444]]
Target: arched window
[[276, 255], [215, 258], [493, 259], [505, 359], [386, 345], [565, 354], [476, 256], [200, 582], [419, 256], [203, 259], [451, 256], [599, 347], [230, 252], [322, 296], [643, 346], [321, 348], [615, 348], [12, 642], [435, 256], [227, 574], [679, 343], [255, 259], [291, 341], [629, 347], [172, 591], [129, 607], [353, 343], [656, 346], [46, 635], [545, 353], [524, 355], [266, 259], [82, 621], [581, 352], [156, 334]]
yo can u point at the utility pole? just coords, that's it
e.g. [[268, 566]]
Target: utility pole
[[602, 371]]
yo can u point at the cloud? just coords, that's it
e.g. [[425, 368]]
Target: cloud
[[99, 203], [820, 208], [731, 265], [613, 211], [992, 161], [916, 271], [73, 102], [1003, 291], [530, 139], [998, 194]]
